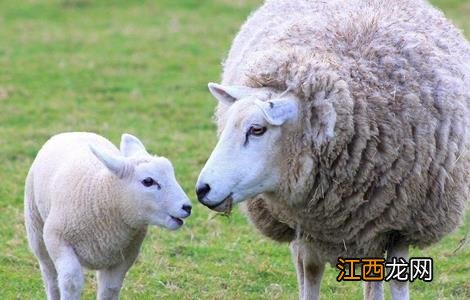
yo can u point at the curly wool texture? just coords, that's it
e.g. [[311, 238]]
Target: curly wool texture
[[380, 151]]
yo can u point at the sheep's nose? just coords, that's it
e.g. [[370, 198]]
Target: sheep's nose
[[202, 190], [187, 208]]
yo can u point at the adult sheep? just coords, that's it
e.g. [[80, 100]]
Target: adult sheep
[[345, 125], [89, 204]]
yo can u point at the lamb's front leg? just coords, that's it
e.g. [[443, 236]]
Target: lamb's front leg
[[399, 289], [110, 280]]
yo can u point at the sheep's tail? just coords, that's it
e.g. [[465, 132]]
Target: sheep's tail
[[262, 218]]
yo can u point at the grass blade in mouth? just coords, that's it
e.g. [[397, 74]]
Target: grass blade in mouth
[[225, 207]]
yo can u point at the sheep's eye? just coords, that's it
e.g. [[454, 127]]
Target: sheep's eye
[[257, 130], [148, 182]]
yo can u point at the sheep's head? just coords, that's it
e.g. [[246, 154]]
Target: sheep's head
[[147, 183], [245, 162]]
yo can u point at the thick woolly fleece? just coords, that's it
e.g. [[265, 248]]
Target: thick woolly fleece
[[70, 192], [381, 149]]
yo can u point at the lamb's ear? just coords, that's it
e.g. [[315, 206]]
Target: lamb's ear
[[114, 163], [230, 93], [131, 145], [278, 111]]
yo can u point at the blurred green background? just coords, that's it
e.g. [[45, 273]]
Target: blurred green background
[[142, 67]]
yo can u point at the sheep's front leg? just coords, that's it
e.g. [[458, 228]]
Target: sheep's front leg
[[299, 267], [313, 273], [309, 270], [399, 288], [69, 270], [373, 290], [110, 280]]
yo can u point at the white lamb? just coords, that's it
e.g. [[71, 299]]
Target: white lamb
[[89, 204]]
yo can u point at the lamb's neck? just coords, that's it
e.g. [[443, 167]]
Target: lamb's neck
[[117, 204]]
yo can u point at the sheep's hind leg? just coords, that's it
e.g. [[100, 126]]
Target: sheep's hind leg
[[110, 280], [373, 290], [69, 270], [399, 289]]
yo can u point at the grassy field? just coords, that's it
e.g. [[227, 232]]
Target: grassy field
[[142, 67]]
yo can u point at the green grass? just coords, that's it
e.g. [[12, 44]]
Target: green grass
[[142, 67]]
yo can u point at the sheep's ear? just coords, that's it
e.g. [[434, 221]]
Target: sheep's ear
[[278, 111], [131, 145], [228, 94], [114, 163]]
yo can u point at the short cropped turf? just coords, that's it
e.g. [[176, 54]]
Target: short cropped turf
[[142, 67]]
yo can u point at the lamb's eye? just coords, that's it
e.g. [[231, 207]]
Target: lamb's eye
[[257, 130], [148, 182]]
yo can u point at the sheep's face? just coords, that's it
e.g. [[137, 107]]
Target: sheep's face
[[148, 184], [245, 161]]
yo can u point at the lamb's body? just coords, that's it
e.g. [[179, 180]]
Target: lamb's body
[[61, 192], [394, 78]]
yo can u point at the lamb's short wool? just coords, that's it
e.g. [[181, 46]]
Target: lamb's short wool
[[89, 204], [346, 126]]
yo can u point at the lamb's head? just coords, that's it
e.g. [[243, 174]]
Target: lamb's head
[[147, 184], [245, 161]]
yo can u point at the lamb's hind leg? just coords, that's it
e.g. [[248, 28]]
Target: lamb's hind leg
[[48, 272], [399, 289], [69, 269], [34, 230]]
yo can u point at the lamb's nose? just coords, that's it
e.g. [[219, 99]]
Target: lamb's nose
[[202, 190], [187, 208]]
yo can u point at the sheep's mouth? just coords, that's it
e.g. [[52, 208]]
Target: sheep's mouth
[[225, 206], [177, 220]]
